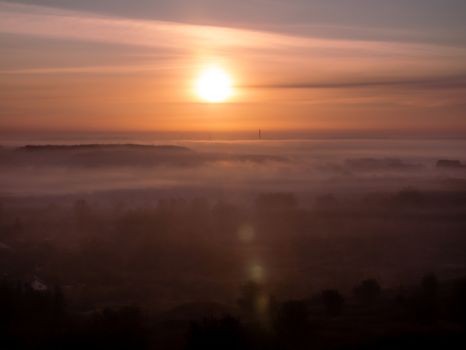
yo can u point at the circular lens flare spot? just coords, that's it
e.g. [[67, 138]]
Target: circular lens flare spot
[[256, 273], [246, 234]]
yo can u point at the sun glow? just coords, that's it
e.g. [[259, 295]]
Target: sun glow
[[214, 85]]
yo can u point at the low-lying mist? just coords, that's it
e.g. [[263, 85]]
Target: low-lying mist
[[297, 166], [195, 229]]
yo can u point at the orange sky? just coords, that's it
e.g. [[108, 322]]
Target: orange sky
[[69, 70]]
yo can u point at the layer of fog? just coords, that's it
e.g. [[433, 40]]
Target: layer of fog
[[244, 166]]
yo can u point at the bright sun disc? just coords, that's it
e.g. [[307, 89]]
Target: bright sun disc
[[214, 85]]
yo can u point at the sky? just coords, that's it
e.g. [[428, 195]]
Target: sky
[[364, 68]]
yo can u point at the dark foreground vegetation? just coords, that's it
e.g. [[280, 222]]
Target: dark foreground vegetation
[[431, 315], [140, 270]]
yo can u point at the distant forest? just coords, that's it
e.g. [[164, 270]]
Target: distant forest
[[131, 270]]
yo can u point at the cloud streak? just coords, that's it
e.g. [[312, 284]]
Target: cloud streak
[[441, 82], [79, 25]]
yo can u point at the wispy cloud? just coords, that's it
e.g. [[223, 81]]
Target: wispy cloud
[[269, 52], [106, 69], [58, 23], [79, 25], [442, 82]]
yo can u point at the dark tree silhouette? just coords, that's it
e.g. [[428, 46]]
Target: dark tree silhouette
[[225, 333], [292, 314], [276, 201], [457, 304], [430, 285], [333, 302], [367, 291], [426, 302]]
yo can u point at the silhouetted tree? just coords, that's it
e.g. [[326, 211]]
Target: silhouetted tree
[[367, 291], [292, 317], [276, 201], [225, 333], [333, 302], [457, 304], [409, 197], [426, 301], [59, 304], [117, 329], [430, 285]]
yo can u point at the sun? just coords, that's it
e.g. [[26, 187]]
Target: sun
[[214, 85]]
